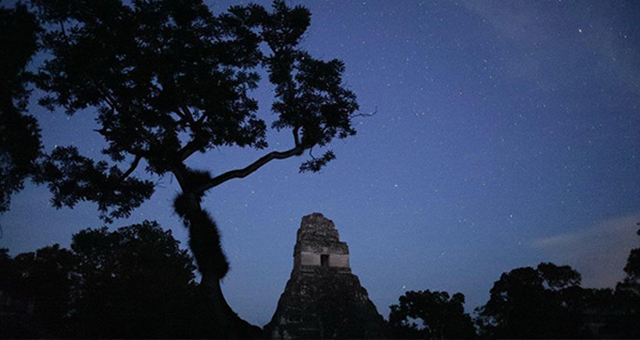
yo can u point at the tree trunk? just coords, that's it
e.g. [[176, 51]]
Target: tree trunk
[[226, 320], [204, 241], [228, 323]]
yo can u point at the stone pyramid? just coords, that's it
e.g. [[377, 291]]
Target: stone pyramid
[[323, 299]]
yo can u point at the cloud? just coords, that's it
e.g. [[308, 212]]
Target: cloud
[[515, 20], [549, 37], [599, 253]]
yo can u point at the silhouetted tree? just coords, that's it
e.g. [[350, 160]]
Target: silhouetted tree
[[39, 284], [632, 268], [134, 282], [628, 297], [5, 265], [442, 316], [534, 303], [19, 133], [168, 79], [601, 313]]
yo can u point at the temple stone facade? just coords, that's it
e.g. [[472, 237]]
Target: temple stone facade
[[323, 299], [318, 245]]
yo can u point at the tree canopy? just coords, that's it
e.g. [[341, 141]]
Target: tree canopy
[[134, 282], [534, 303], [168, 79], [43, 276], [136, 277], [632, 268], [19, 132], [442, 316], [628, 296]]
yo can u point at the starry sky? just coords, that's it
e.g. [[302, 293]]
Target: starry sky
[[506, 133]]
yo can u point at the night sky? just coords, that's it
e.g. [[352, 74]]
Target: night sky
[[507, 133]]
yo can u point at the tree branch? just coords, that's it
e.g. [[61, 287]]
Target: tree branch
[[244, 172], [64, 32], [192, 146], [188, 115], [189, 149], [296, 135], [133, 166], [365, 114]]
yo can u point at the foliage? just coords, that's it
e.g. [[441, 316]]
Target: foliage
[[134, 282], [46, 276], [19, 133], [43, 276], [167, 79], [632, 268], [548, 302], [73, 178], [534, 303], [442, 316], [628, 296]]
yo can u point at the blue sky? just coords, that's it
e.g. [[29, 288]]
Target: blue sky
[[506, 134]]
